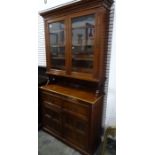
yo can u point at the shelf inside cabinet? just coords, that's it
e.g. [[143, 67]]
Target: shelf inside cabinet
[[58, 67], [58, 57], [81, 45], [82, 58], [80, 69], [56, 31], [58, 45], [82, 27]]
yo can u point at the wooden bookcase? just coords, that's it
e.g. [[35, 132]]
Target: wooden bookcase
[[76, 37]]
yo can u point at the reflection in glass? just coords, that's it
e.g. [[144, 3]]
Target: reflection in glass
[[58, 26], [83, 32], [57, 38], [56, 34]]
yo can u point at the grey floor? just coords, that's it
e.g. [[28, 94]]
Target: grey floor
[[48, 145]]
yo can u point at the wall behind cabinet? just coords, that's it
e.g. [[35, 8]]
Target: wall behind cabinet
[[41, 43], [109, 116], [52, 3], [111, 90]]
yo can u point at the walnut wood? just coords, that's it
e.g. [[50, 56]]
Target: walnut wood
[[66, 13], [75, 121], [72, 103], [87, 96], [77, 7]]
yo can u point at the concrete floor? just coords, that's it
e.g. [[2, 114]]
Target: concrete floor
[[48, 145]]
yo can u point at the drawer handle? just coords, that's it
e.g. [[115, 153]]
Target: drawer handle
[[73, 99], [47, 116], [49, 103]]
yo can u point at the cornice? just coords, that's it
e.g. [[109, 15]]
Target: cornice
[[76, 5]]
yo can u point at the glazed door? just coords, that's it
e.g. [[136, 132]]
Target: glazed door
[[83, 41], [56, 36], [71, 46]]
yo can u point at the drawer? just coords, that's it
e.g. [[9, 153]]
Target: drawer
[[76, 107], [50, 98]]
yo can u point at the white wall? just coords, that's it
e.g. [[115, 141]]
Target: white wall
[[41, 43], [111, 94], [52, 3], [110, 111]]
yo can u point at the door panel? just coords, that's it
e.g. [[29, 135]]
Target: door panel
[[83, 35], [57, 44], [75, 130], [52, 119]]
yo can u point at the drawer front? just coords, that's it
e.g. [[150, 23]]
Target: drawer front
[[77, 108], [52, 119], [51, 98]]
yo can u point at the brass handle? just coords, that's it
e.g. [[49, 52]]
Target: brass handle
[[49, 103], [73, 99], [47, 116]]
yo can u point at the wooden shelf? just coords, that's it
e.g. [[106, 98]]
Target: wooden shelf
[[82, 27], [74, 58], [81, 45], [83, 58], [56, 31], [57, 46], [80, 69], [58, 67], [83, 55], [58, 57]]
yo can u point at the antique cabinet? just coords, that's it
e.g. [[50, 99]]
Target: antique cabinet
[[72, 115], [76, 37]]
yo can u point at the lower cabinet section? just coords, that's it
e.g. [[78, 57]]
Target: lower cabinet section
[[75, 122]]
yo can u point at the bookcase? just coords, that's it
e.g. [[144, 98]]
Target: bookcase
[[76, 37]]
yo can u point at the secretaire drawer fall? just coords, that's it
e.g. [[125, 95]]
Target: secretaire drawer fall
[[50, 98], [77, 108]]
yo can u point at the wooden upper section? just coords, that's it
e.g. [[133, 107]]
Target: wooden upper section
[[76, 6], [87, 96], [94, 68]]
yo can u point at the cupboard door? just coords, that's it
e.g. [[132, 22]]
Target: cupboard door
[[57, 48], [75, 130], [52, 119], [83, 35]]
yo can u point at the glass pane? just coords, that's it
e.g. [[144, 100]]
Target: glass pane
[[57, 38], [83, 32], [56, 26], [57, 46]]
